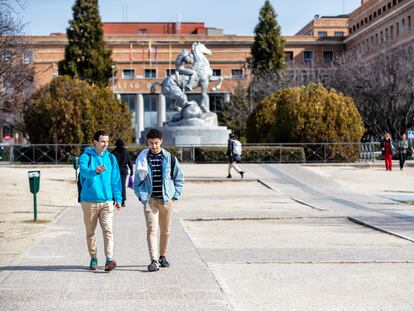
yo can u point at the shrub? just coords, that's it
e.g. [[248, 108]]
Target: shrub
[[252, 154], [70, 111], [307, 114]]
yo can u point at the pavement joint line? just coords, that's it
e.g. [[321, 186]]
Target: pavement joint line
[[262, 218], [25, 254], [219, 180], [307, 204], [325, 262], [264, 183], [197, 250], [360, 222]]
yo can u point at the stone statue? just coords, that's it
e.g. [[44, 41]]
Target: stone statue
[[197, 73]]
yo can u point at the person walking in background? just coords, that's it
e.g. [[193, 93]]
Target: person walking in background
[[100, 182], [387, 149], [234, 151], [158, 183], [124, 162], [402, 150]]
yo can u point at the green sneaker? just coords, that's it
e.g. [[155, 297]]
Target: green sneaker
[[109, 264], [93, 265]]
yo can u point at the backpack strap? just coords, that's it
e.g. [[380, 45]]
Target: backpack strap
[[173, 159]]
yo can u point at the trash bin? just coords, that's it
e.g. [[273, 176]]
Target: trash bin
[[1, 153], [34, 183], [75, 162]]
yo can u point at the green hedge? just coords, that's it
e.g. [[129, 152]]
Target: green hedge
[[252, 154]]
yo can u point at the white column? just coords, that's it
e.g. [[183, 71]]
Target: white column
[[139, 115], [161, 110]]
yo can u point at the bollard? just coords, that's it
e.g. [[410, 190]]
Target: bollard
[[34, 182], [75, 162]]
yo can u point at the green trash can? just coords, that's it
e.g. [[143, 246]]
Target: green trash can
[[75, 162], [1, 153], [34, 183]]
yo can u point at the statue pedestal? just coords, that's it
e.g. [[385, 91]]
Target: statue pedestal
[[183, 136]]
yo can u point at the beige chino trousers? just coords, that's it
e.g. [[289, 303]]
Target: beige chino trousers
[[158, 215], [92, 212]]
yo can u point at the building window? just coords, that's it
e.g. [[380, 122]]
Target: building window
[[28, 57], [379, 12], [322, 34], [327, 57], [370, 17], [376, 38], [170, 72], [366, 20], [397, 29], [142, 31], [386, 34], [308, 56], [128, 73], [375, 14], [216, 72], [394, 2], [384, 8], [339, 34], [289, 57], [389, 5], [150, 73], [216, 102], [409, 22], [150, 110], [237, 73], [403, 26], [350, 30], [391, 32], [131, 101], [381, 37]]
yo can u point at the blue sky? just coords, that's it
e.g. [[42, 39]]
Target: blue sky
[[234, 16]]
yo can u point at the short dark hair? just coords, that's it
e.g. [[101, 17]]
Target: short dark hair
[[154, 133], [100, 133], [119, 143]]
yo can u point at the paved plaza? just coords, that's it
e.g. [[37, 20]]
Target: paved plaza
[[286, 237]]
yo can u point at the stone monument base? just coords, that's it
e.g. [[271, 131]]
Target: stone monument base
[[183, 136]]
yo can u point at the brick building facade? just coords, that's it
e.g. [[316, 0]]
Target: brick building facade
[[145, 53]]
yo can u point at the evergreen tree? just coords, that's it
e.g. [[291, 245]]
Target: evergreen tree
[[268, 47], [85, 55]]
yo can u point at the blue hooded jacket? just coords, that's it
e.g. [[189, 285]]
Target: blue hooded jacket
[[100, 187]]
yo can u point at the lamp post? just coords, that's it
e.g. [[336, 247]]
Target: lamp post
[[113, 80]]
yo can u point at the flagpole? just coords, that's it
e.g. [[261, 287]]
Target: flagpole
[[170, 57]]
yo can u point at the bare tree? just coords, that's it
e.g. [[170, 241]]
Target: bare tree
[[382, 87], [16, 70]]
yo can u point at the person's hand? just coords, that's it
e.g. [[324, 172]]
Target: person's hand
[[100, 169], [118, 205]]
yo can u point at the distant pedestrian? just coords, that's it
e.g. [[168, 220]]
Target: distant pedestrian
[[234, 151], [387, 149], [100, 183], [402, 150], [158, 183], [124, 162]]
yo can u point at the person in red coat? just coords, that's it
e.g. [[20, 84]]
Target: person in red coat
[[387, 148]]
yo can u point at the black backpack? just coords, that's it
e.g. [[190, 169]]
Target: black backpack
[[80, 183]]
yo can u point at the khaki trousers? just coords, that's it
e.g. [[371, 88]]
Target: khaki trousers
[[93, 211], [157, 214]]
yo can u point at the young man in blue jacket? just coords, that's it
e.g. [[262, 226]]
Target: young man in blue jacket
[[101, 183], [158, 184]]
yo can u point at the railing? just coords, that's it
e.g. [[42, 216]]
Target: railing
[[254, 153]]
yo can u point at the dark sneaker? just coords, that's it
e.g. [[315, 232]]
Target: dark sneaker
[[110, 265], [93, 265], [242, 174], [163, 262], [229, 176], [153, 266]]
